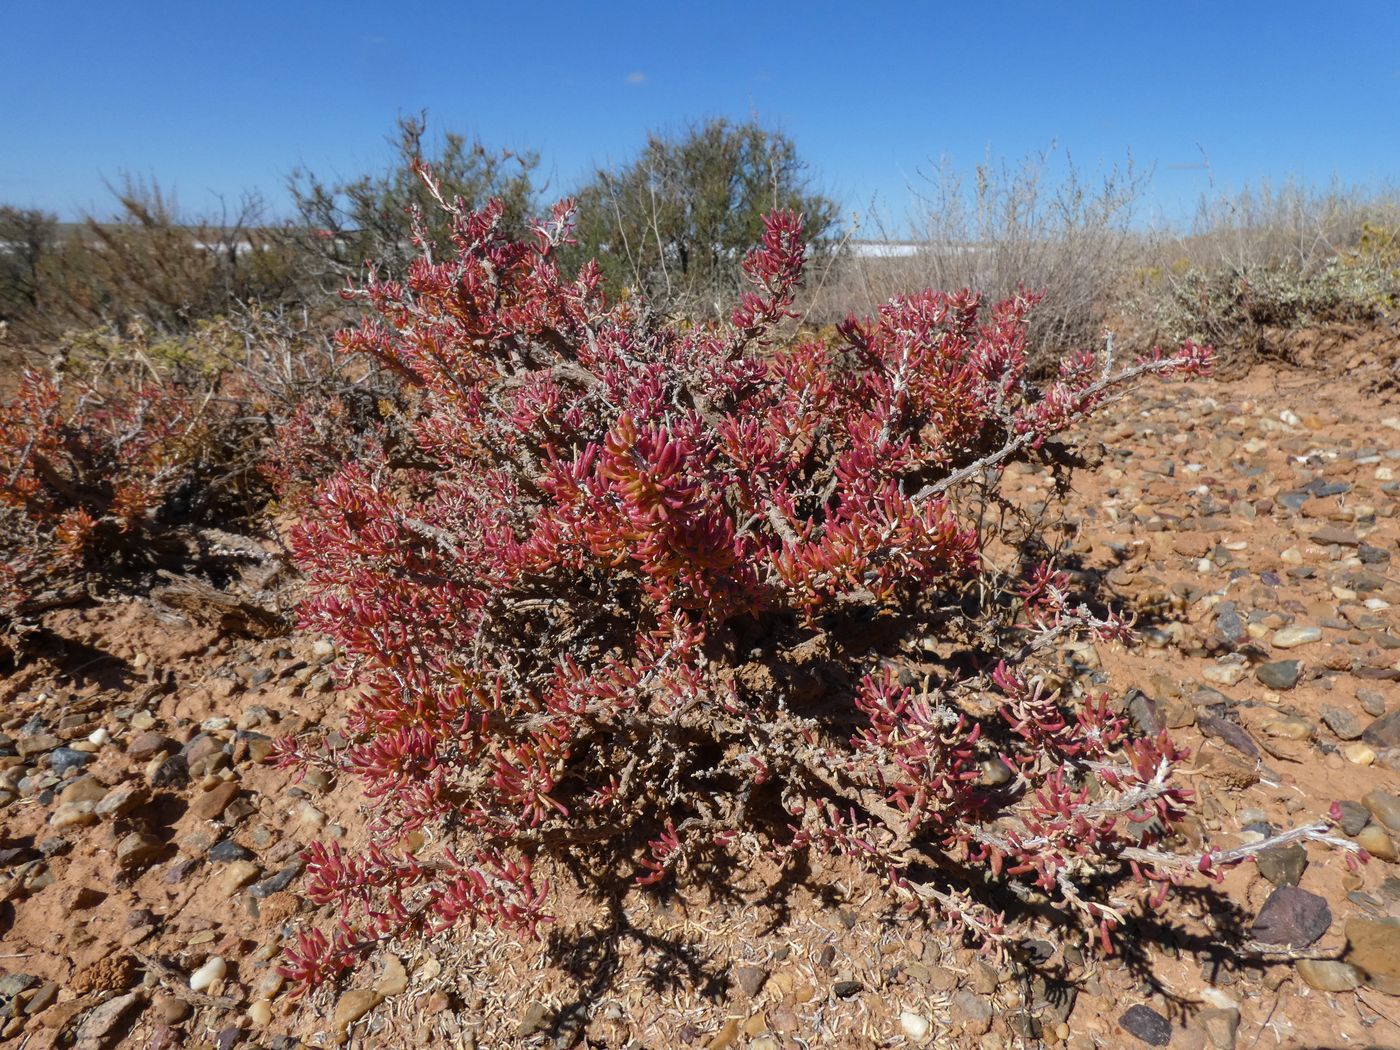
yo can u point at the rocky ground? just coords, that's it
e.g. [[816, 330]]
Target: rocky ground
[[149, 859]]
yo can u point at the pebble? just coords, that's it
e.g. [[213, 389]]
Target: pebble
[[1372, 701], [351, 1006], [260, 1013], [1376, 841], [213, 970], [1292, 637], [73, 815], [1292, 916], [103, 1021], [1147, 1025], [1280, 674], [914, 1026], [1343, 723], [748, 978], [1226, 674], [1384, 731], [1283, 865], [171, 1008], [1328, 975], [137, 850], [235, 876], [62, 759], [1290, 728], [145, 746], [82, 788], [1384, 806], [1359, 753], [227, 850], [394, 979], [1373, 947], [211, 804], [1220, 1025], [122, 800], [1354, 817]]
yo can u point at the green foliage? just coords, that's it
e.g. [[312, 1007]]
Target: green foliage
[[675, 223], [367, 219]]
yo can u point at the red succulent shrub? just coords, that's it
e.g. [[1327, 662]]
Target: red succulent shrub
[[110, 474], [646, 592]]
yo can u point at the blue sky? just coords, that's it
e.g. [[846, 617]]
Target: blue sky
[[214, 98]]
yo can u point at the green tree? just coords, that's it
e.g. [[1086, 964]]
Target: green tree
[[677, 221], [367, 219]]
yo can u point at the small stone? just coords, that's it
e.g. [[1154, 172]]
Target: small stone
[[168, 772], [845, 989], [1283, 865], [1384, 806], [82, 789], [73, 815], [1147, 1025], [1330, 534], [1226, 674], [1377, 842], [211, 804], [214, 969], [145, 746], [353, 1005], [1292, 916], [171, 1008], [1359, 753], [103, 1022], [1220, 1026], [1355, 816], [394, 980], [227, 851], [235, 876], [1343, 723], [914, 1026], [748, 978], [137, 850], [1228, 623], [1373, 947], [1145, 713], [1371, 701], [1280, 674], [535, 1019], [1384, 732], [278, 882], [1292, 637], [260, 1013], [62, 759], [1290, 728], [1328, 975], [121, 801]]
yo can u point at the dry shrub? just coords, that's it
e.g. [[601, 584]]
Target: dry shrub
[[1039, 227], [1270, 261]]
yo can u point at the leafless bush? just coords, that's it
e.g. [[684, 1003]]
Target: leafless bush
[[1039, 226], [147, 264]]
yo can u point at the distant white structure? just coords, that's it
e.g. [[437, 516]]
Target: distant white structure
[[883, 249]]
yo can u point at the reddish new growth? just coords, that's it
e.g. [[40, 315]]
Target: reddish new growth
[[645, 596]]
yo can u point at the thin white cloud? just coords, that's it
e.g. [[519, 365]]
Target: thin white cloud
[[636, 79]]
